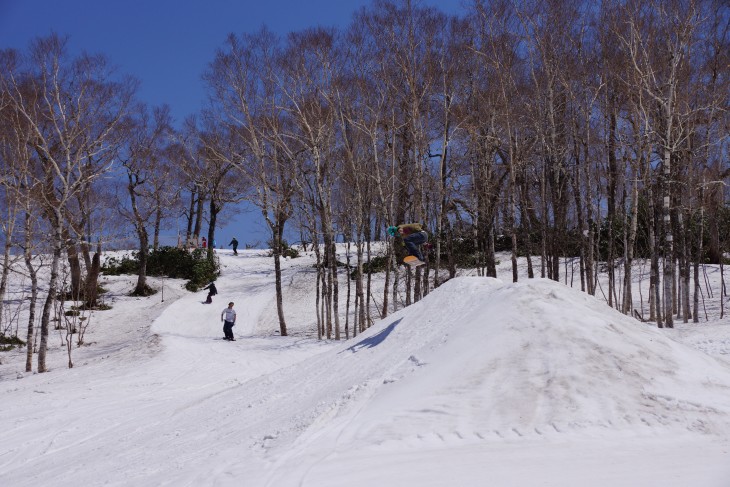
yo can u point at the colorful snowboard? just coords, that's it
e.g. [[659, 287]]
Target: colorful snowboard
[[413, 261]]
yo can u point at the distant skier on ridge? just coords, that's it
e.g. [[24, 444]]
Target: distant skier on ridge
[[234, 242]]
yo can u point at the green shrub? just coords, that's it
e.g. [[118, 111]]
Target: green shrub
[[291, 252], [170, 262], [173, 262], [8, 343], [126, 265], [202, 272], [286, 249], [376, 264], [98, 307]]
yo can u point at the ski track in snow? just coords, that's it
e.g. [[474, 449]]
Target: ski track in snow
[[478, 378]]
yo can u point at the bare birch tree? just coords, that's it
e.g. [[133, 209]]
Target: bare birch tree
[[72, 109]]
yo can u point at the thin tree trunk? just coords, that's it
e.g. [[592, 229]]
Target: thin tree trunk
[[335, 290], [512, 203], [369, 295], [349, 292], [611, 199], [320, 288], [74, 269], [417, 293], [630, 244], [396, 279], [141, 289], [33, 274], [190, 218], [491, 251], [526, 224], [158, 224], [198, 218], [668, 235], [359, 285], [278, 241], [5, 273], [653, 232], [91, 292], [214, 210], [386, 284], [409, 284], [687, 257], [52, 288], [698, 258], [544, 223]]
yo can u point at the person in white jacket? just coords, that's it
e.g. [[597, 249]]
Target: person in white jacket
[[228, 317]]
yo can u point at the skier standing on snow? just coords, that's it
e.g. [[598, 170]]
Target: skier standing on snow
[[234, 242], [413, 236], [228, 317]]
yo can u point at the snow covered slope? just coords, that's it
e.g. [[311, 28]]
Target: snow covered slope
[[480, 383], [482, 363]]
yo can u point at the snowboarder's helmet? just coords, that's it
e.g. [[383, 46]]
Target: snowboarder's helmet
[[392, 231]]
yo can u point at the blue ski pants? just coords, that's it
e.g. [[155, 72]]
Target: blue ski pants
[[413, 241]]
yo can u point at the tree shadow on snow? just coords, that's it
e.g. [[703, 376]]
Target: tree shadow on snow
[[376, 339]]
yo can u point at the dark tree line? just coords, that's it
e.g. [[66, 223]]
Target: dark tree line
[[589, 130]]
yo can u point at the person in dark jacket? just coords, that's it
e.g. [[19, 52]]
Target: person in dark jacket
[[413, 237], [234, 242], [212, 291]]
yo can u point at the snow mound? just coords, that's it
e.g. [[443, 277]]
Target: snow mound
[[537, 357], [481, 359]]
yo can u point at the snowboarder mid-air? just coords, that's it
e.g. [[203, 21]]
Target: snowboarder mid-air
[[413, 237]]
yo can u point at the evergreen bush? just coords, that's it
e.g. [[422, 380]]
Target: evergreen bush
[[286, 249], [376, 264], [169, 262], [8, 343]]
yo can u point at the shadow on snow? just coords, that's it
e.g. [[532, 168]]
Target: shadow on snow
[[376, 339]]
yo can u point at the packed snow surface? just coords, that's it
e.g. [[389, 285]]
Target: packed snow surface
[[482, 382]]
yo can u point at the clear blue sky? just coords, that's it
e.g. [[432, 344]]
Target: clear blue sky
[[167, 44]]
